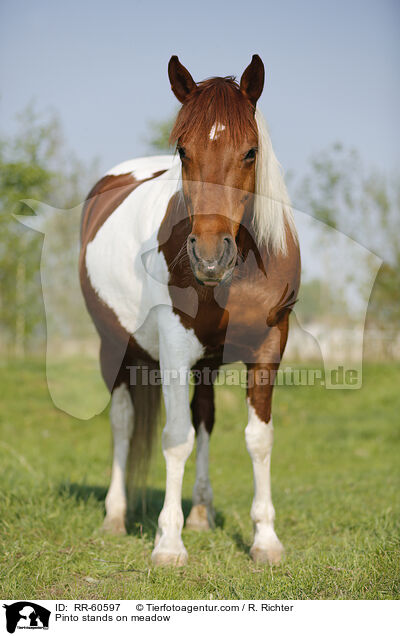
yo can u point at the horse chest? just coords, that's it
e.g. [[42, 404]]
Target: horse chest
[[233, 320]]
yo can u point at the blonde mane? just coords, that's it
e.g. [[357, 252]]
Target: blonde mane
[[272, 207]]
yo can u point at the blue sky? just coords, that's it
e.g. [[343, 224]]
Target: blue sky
[[332, 69]]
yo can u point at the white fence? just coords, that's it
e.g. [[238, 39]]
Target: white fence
[[338, 344]]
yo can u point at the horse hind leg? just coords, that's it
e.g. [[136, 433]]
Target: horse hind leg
[[201, 516], [122, 421]]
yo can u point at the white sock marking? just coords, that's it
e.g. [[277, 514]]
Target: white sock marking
[[259, 441]]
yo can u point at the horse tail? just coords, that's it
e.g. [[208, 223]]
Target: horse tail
[[146, 399]]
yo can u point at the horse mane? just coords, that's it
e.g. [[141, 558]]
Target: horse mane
[[219, 99], [272, 208]]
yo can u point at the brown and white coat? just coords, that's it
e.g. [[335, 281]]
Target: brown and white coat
[[190, 262]]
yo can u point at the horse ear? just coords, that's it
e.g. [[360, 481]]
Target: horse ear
[[182, 83], [252, 80]]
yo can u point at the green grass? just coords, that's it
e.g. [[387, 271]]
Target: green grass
[[335, 475]]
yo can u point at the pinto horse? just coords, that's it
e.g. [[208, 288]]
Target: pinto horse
[[189, 262]]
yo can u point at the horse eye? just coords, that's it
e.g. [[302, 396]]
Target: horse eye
[[182, 152], [251, 154]]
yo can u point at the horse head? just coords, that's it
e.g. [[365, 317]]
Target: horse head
[[217, 140]]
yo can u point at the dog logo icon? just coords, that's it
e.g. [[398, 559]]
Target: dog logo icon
[[26, 615]]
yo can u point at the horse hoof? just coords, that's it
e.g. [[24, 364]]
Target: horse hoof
[[271, 555], [200, 518], [114, 525], [169, 558]]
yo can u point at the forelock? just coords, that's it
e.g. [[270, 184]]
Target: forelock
[[217, 99]]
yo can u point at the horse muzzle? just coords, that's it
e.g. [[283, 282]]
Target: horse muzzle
[[212, 259]]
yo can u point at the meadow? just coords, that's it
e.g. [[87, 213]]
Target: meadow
[[335, 481]]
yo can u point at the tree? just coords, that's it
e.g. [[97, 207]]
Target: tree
[[365, 205], [159, 132], [33, 165]]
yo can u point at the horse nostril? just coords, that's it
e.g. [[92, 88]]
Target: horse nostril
[[191, 247], [229, 250]]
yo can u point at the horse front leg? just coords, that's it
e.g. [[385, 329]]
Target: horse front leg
[[177, 444], [259, 434], [178, 350]]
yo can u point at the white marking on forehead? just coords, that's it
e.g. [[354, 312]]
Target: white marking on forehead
[[215, 129]]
